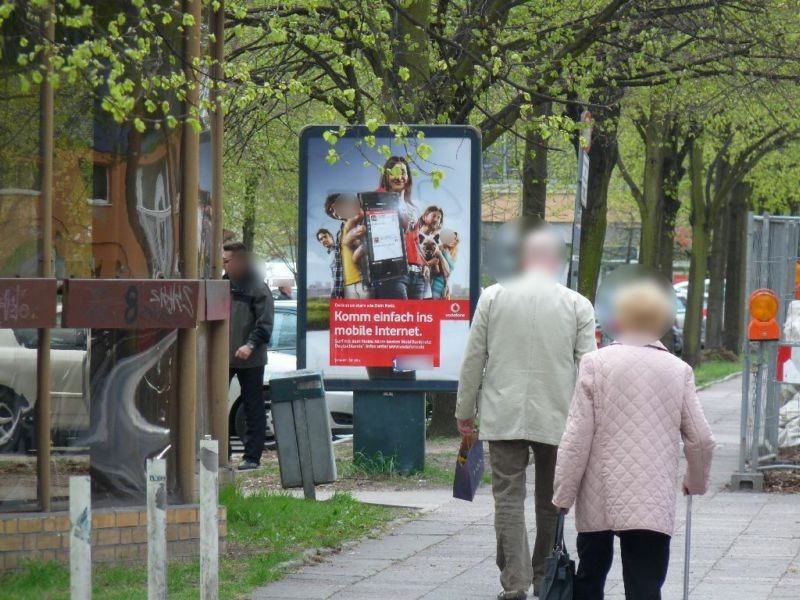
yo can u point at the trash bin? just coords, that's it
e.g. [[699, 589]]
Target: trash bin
[[302, 430]]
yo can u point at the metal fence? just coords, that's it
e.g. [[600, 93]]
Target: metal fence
[[773, 249]]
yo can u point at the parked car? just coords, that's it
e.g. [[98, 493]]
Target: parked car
[[282, 357], [70, 376]]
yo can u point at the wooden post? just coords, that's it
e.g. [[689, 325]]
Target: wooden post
[[187, 338], [156, 529], [218, 330], [80, 538], [209, 519], [42, 406]]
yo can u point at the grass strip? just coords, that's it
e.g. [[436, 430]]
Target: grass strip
[[265, 529]]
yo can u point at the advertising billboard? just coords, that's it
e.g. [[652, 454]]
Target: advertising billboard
[[388, 257]]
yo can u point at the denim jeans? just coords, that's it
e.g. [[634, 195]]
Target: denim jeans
[[410, 286]]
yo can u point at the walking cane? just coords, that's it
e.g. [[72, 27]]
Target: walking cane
[[688, 548]]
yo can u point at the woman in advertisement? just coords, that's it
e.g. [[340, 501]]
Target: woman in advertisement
[[430, 227], [446, 257], [396, 177]]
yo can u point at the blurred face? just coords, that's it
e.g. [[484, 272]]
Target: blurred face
[[448, 237], [235, 264], [541, 253], [326, 239], [398, 177], [346, 207]]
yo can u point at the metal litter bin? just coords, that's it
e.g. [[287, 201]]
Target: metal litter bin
[[302, 430]]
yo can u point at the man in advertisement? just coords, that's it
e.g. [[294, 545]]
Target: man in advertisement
[[252, 314], [526, 340]]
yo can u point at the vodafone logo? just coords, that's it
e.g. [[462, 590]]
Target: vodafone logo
[[455, 307]]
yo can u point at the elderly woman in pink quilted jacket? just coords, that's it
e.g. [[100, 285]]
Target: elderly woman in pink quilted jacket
[[618, 460]]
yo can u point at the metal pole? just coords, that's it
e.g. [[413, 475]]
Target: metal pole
[[754, 449], [42, 407], [156, 529], [209, 519], [218, 330], [80, 537], [688, 548], [187, 338], [746, 350]]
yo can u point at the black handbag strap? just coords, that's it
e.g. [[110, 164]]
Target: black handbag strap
[[559, 542]]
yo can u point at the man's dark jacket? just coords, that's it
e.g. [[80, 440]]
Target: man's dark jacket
[[252, 309]]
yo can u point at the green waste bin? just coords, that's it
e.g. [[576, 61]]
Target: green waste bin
[[302, 430]]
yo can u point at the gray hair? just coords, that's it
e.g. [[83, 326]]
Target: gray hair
[[543, 244]]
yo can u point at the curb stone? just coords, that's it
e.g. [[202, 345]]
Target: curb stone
[[721, 380], [318, 555]]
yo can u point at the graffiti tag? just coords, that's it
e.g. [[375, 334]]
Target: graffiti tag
[[173, 299], [12, 304]]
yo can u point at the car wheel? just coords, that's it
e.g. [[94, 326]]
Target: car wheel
[[13, 408]]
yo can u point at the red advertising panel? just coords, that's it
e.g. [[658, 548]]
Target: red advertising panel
[[388, 265]]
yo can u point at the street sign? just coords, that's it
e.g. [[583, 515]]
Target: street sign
[[581, 195], [583, 184]]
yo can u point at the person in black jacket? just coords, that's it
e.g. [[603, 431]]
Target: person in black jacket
[[252, 311]]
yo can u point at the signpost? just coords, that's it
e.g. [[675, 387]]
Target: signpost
[[580, 196]]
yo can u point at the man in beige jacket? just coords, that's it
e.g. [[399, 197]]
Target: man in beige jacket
[[518, 376]]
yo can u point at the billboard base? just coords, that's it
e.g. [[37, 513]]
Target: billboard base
[[389, 430]]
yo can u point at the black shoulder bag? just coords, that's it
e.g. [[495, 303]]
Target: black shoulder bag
[[559, 568]]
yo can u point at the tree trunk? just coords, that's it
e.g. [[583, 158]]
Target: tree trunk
[[672, 173], [443, 419], [699, 257], [717, 265], [249, 217], [716, 270], [735, 272], [652, 192], [602, 159], [410, 104], [534, 169]]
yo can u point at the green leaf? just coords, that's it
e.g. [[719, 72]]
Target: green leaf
[[424, 151], [139, 125]]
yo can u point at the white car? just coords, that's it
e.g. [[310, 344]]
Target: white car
[[70, 376], [282, 358]]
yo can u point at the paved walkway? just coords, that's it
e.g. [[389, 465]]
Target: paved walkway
[[746, 546]]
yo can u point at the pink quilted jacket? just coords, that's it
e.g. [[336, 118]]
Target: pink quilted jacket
[[618, 459]]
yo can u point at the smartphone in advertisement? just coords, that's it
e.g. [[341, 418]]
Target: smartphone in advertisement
[[386, 253]]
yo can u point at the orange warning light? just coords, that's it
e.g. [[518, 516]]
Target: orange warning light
[[763, 310]]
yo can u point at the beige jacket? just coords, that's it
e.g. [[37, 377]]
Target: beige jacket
[[521, 359], [619, 457]]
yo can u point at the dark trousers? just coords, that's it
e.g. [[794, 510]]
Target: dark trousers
[[509, 460], [251, 382], [645, 558]]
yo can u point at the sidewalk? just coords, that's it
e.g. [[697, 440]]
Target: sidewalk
[[745, 546]]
